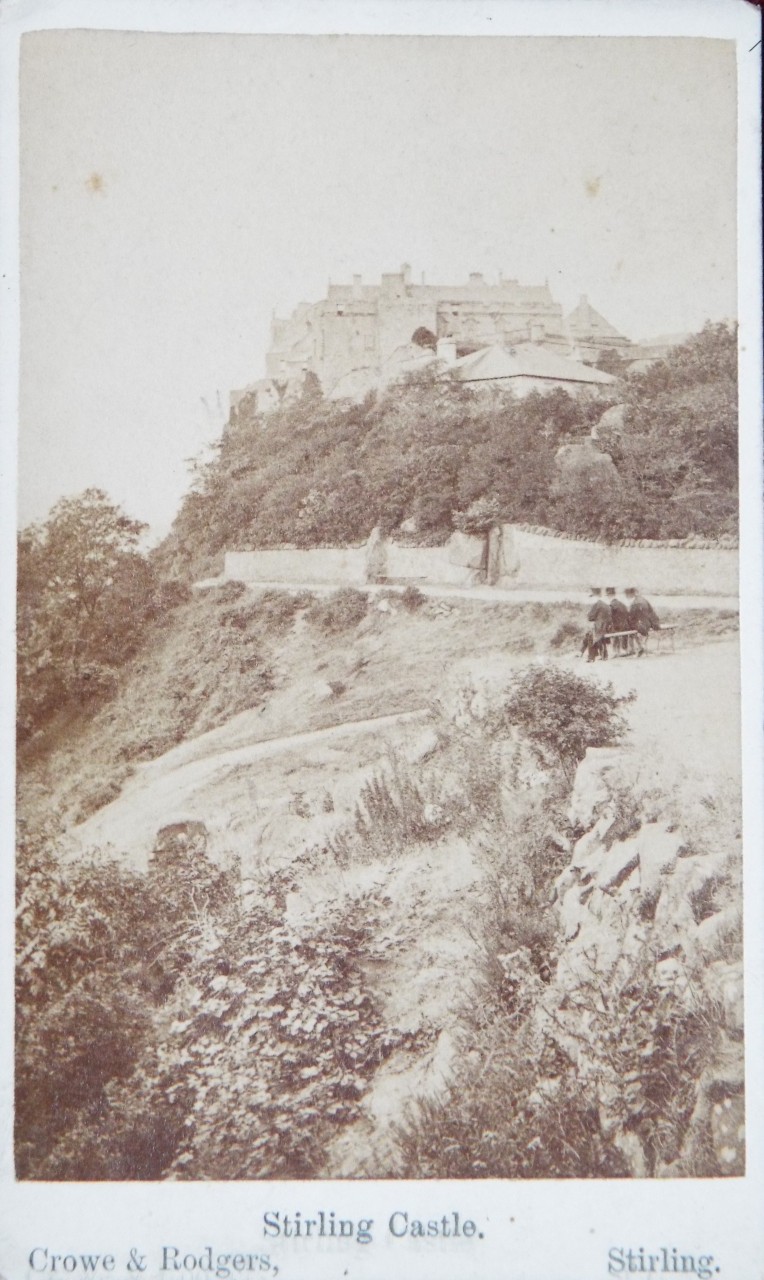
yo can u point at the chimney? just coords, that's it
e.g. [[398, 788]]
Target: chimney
[[446, 350], [423, 278], [356, 286], [406, 272]]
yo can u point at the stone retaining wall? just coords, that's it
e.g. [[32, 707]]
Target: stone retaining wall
[[525, 558], [292, 564], [543, 560]]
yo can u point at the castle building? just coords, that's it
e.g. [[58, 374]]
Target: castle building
[[355, 335], [591, 334]]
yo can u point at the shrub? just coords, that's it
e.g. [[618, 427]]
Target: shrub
[[339, 612], [412, 599], [496, 1123], [479, 516], [562, 714], [567, 631], [100, 949], [226, 592]]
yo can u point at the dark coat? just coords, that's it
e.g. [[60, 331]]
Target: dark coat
[[599, 616], [619, 615], [642, 616]]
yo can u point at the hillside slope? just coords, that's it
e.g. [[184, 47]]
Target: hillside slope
[[318, 472], [319, 878]]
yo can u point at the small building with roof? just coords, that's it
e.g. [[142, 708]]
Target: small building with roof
[[527, 367]]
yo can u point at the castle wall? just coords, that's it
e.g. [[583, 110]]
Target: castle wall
[[398, 319], [426, 564], [360, 326]]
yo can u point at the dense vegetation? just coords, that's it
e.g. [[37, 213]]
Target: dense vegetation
[[164, 1030], [168, 1026], [317, 472], [229, 1043], [429, 452], [86, 596]]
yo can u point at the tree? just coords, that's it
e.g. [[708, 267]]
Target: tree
[[424, 337], [677, 450], [84, 593], [610, 361]]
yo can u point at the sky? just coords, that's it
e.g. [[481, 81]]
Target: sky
[[177, 189]]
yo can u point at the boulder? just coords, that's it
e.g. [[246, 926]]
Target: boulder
[[323, 690], [589, 851], [712, 936], [619, 862], [592, 787], [466, 550], [181, 837], [658, 852]]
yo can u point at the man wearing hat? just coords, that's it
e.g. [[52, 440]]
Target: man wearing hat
[[619, 620], [642, 617], [599, 617]]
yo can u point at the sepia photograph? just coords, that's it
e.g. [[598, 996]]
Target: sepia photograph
[[379, 810], [378, 793]]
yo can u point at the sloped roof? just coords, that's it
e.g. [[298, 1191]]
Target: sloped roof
[[524, 361], [585, 322]]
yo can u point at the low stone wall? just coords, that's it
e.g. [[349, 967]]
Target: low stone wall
[[525, 558], [426, 564], [543, 560], [292, 564]]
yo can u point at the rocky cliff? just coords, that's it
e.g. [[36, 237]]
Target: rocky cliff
[[647, 995]]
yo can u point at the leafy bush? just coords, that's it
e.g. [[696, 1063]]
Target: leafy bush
[[412, 598], [479, 516], [183, 1036], [491, 1126], [567, 631], [86, 599], [87, 966], [338, 612], [561, 714]]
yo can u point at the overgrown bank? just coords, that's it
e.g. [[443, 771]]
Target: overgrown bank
[[251, 1042]]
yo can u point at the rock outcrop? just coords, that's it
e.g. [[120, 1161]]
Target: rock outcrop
[[648, 986]]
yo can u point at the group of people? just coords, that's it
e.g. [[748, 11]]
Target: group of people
[[624, 625]]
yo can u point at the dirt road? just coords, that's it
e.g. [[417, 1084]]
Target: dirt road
[[685, 719], [236, 783], [687, 709]]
